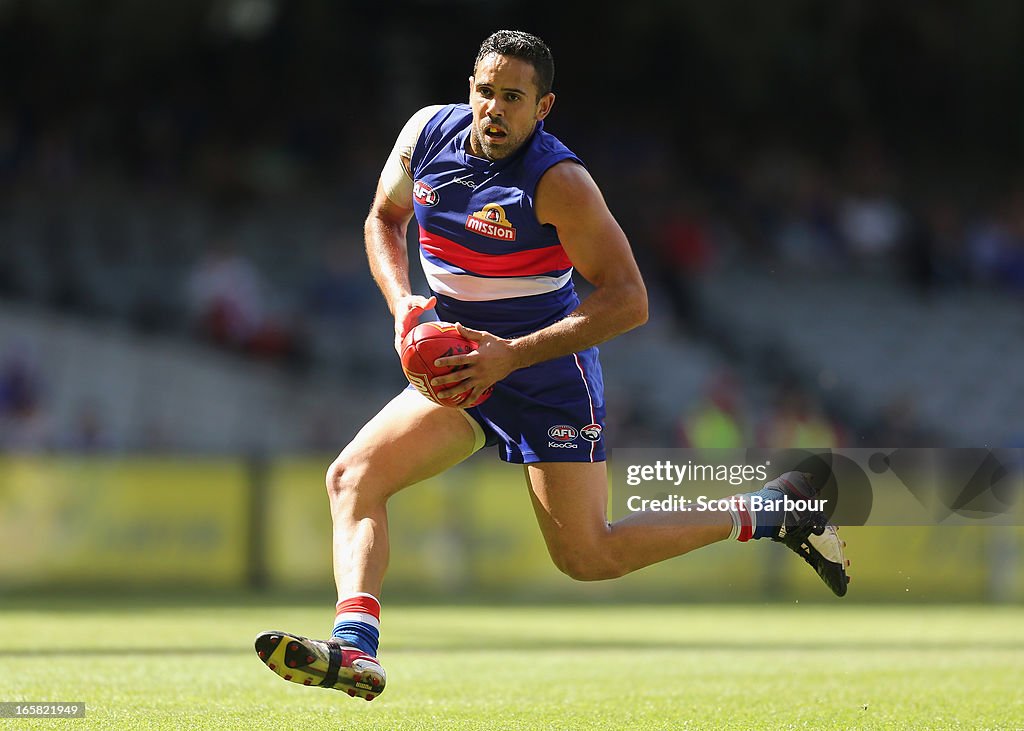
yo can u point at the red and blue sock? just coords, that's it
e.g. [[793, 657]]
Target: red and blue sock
[[357, 622], [764, 523]]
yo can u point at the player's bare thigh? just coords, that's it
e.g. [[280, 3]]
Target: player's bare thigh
[[570, 500], [409, 440]]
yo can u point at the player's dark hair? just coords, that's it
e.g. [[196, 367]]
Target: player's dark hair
[[522, 45]]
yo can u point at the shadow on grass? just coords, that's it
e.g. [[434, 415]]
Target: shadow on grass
[[535, 646]]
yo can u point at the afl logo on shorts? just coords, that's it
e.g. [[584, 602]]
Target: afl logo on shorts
[[562, 433], [591, 432], [424, 194]]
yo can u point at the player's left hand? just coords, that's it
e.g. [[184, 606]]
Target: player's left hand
[[492, 360], [407, 312]]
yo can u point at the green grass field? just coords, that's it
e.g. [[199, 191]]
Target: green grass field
[[605, 667]]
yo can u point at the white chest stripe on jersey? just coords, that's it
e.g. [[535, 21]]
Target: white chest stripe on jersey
[[470, 288]]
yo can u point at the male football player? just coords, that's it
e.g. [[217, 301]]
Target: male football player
[[505, 213]]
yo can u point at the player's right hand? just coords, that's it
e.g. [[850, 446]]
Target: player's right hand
[[407, 315]]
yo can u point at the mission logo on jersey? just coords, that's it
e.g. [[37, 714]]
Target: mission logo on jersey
[[492, 222]]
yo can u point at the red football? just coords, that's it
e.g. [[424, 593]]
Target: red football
[[422, 346]]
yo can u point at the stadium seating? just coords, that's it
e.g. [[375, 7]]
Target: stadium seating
[[955, 357], [865, 342]]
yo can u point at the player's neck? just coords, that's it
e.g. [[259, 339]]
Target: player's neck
[[471, 149]]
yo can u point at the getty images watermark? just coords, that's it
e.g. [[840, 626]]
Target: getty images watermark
[[690, 473], [856, 486]]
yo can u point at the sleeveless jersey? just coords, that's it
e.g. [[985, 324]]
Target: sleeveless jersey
[[488, 260]]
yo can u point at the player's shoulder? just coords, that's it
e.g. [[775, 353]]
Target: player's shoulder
[[565, 177], [426, 117], [444, 116], [431, 129], [442, 111], [568, 171], [425, 114], [546, 142], [565, 189], [544, 153]]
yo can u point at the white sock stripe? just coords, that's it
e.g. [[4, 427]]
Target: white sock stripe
[[737, 519], [750, 513], [735, 532], [357, 617]]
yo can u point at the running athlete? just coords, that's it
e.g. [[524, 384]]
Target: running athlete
[[505, 213]]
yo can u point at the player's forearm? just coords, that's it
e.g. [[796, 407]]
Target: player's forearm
[[607, 312], [388, 257]]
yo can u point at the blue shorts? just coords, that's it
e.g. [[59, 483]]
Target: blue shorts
[[550, 412]]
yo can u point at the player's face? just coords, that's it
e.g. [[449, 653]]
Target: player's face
[[503, 94]]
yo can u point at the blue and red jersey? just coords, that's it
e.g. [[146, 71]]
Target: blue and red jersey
[[493, 266], [480, 241]]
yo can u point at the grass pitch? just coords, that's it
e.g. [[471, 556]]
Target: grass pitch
[[833, 665]]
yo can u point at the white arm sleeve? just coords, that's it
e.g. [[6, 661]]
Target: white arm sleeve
[[396, 178]]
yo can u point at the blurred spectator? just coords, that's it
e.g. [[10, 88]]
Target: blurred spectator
[[872, 225], [797, 422], [20, 386], [684, 249], [986, 240], [23, 421], [935, 257], [718, 421], [227, 297], [807, 235], [871, 219], [87, 431], [629, 422], [995, 244], [1011, 261], [898, 427], [340, 287]]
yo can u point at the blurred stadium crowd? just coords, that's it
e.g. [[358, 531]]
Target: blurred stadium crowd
[[824, 199]]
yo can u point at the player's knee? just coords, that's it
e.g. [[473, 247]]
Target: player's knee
[[343, 479], [588, 566]]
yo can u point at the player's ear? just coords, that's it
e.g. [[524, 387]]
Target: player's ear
[[544, 105], [472, 83]]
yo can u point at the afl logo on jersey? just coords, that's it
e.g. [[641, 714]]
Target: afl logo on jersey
[[424, 194], [491, 221]]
